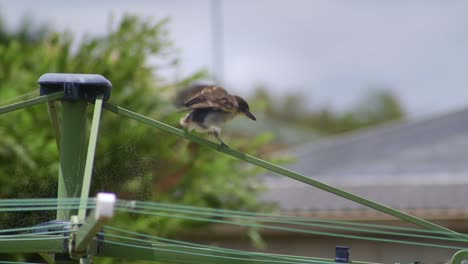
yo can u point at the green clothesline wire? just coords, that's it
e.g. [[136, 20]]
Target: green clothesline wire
[[51, 203], [31, 228], [288, 229], [173, 242], [343, 228], [201, 247], [43, 208], [13, 238], [39, 201], [167, 240], [18, 262], [321, 224], [234, 213], [43, 204], [73, 203], [28, 235], [131, 204], [255, 224], [254, 218]]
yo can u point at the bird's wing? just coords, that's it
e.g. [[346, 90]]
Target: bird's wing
[[202, 96]]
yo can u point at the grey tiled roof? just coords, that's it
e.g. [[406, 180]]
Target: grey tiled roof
[[295, 196], [419, 164]]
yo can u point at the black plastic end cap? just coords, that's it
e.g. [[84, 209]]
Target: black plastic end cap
[[76, 86], [342, 254]]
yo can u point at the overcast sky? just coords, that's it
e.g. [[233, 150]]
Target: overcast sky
[[332, 51]]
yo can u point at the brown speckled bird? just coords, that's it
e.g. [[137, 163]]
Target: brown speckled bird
[[210, 107]]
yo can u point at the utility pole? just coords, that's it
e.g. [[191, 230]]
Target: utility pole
[[217, 64]]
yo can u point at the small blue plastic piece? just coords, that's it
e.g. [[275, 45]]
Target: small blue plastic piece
[[342, 254], [76, 86], [63, 226], [55, 226]]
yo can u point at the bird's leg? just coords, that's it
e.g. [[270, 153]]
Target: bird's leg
[[222, 144], [215, 132]]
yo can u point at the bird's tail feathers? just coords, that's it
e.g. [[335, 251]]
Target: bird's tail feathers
[[185, 121]]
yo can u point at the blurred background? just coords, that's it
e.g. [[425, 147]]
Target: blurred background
[[330, 52], [354, 93]]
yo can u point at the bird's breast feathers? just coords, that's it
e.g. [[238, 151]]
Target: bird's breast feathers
[[218, 118]]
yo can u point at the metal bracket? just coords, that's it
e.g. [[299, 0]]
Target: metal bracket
[[55, 225], [86, 238]]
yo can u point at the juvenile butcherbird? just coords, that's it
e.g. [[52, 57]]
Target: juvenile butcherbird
[[209, 108]]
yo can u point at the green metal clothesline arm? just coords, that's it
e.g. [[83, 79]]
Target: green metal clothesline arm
[[285, 172], [88, 170], [31, 102]]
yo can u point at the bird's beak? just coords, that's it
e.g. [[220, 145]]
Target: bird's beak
[[249, 115]]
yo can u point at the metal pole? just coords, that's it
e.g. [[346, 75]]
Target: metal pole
[[72, 153], [217, 41]]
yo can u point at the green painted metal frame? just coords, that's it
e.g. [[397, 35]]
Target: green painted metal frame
[[280, 170]]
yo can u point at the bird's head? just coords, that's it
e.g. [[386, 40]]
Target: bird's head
[[244, 107]]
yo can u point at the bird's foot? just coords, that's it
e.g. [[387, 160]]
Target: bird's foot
[[215, 132], [222, 145]]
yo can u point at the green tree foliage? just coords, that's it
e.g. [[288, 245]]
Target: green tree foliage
[[376, 107], [133, 160]]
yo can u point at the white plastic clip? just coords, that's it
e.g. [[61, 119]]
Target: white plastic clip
[[105, 205]]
